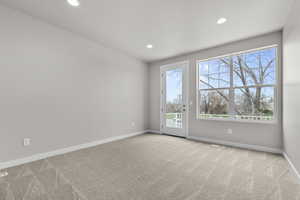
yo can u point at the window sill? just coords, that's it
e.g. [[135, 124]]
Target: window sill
[[271, 122]]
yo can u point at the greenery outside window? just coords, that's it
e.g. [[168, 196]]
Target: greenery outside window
[[241, 86]]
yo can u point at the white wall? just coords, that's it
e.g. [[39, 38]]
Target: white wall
[[266, 135], [60, 89], [291, 82]]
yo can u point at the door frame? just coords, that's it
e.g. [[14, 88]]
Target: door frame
[[186, 81]]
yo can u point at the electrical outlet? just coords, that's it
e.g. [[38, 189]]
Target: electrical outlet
[[229, 131], [26, 142], [133, 124]]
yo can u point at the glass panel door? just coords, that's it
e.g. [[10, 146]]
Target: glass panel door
[[173, 99]]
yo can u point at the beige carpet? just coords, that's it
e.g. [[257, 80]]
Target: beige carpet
[[153, 167]]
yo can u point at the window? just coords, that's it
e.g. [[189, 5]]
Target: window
[[238, 86]]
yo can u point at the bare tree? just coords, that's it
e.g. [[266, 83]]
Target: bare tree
[[249, 77]]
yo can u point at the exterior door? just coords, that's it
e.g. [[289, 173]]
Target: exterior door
[[174, 109]]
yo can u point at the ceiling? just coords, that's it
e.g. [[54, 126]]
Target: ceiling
[[173, 26]]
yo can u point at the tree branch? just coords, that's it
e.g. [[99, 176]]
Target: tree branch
[[217, 90]]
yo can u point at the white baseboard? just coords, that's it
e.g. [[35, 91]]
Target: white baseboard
[[40, 156], [239, 145], [294, 169], [227, 143], [153, 131]]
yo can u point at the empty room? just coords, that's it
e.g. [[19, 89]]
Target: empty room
[[149, 100]]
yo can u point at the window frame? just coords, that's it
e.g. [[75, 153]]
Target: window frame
[[275, 85]]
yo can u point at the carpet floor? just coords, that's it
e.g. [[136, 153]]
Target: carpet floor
[[153, 167]]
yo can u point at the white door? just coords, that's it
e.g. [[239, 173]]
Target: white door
[[174, 109]]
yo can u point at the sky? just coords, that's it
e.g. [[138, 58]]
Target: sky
[[217, 74], [174, 77], [173, 84]]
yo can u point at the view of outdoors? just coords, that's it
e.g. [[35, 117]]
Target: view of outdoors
[[240, 86], [174, 98]]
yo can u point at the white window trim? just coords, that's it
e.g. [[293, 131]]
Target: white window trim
[[276, 87]]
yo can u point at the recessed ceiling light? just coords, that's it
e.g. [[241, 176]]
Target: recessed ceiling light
[[74, 3], [222, 20], [149, 46]]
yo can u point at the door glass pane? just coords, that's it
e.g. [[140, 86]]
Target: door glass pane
[[173, 113]]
